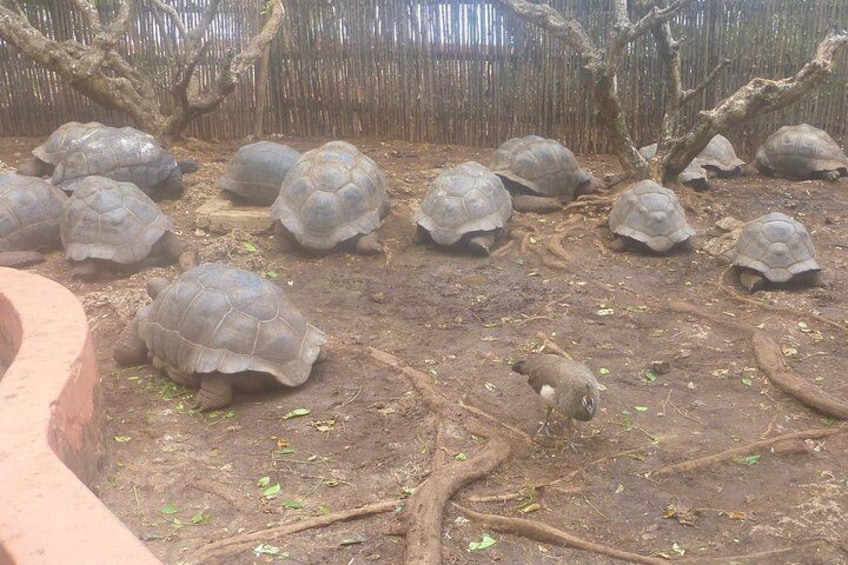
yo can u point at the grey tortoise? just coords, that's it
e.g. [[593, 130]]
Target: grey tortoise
[[255, 173], [649, 215], [333, 197], [465, 206], [220, 328], [801, 152], [111, 225], [30, 209], [542, 174], [127, 155], [777, 249]]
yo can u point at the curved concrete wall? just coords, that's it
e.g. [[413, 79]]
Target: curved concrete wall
[[50, 433]]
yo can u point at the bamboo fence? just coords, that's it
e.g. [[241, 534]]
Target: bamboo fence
[[464, 72]]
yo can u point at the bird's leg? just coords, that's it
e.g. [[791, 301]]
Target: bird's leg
[[544, 427], [569, 426]]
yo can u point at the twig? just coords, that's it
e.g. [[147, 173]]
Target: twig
[[480, 413], [693, 464], [544, 533], [551, 345], [232, 545]]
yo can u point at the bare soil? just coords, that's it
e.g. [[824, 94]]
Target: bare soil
[[677, 386]]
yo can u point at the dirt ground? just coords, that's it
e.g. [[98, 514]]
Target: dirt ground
[[676, 386]]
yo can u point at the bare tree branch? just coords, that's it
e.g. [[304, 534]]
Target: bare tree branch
[[688, 95], [95, 68]]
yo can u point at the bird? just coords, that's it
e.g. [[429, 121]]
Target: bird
[[565, 385]]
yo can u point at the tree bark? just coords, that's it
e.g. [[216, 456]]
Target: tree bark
[[675, 150], [98, 71]]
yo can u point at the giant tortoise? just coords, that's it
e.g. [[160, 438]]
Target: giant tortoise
[[127, 155], [465, 206], [542, 174], [333, 196], [217, 327], [111, 225], [801, 152]]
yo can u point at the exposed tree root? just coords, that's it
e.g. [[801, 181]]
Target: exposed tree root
[[236, 544], [548, 534], [771, 363], [424, 511], [701, 462], [725, 286], [770, 555], [421, 522], [485, 415], [770, 360]]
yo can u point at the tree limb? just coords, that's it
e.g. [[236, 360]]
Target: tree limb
[[688, 95], [544, 533], [701, 462], [228, 547]]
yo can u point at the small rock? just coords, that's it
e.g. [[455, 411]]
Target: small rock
[[379, 297], [659, 367]]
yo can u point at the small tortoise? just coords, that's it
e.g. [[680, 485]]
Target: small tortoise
[[719, 158], [110, 223], [123, 154], [46, 156], [256, 172], [30, 209], [333, 196], [466, 206], [649, 214], [540, 173], [693, 176], [777, 249], [801, 152], [218, 328]]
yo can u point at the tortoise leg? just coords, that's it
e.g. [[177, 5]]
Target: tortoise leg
[[617, 243], [422, 236], [130, 349], [19, 259], [286, 241], [752, 281], [86, 270], [482, 244], [177, 250], [537, 204], [216, 391], [368, 244], [35, 167]]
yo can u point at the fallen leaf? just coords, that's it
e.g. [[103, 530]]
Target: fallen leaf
[[486, 541]]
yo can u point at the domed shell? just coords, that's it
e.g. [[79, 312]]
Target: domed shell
[[694, 175], [30, 209], [543, 166], [256, 171], [111, 220], [331, 194], [799, 152], [719, 156], [467, 198], [123, 154], [777, 246], [218, 318], [651, 214], [62, 139]]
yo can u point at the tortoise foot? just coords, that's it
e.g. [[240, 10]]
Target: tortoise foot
[[215, 392]]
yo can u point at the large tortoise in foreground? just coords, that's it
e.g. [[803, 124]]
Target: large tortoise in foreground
[[218, 328], [801, 152], [333, 196]]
